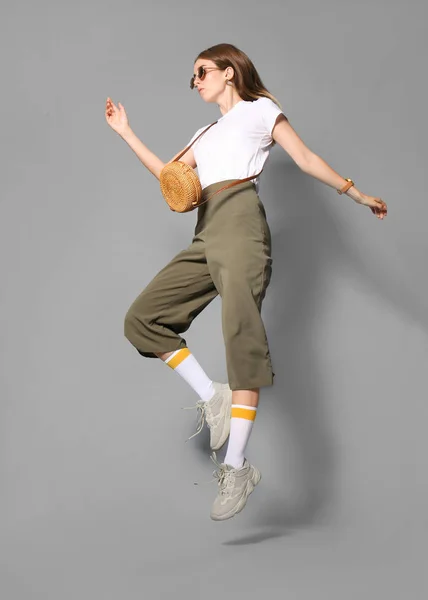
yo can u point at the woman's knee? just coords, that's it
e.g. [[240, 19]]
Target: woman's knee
[[136, 320]]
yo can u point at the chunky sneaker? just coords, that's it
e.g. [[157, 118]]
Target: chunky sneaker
[[216, 413], [235, 487]]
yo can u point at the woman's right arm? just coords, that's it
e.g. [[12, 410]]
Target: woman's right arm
[[118, 121], [149, 160]]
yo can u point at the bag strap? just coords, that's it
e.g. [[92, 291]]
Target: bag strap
[[229, 185], [186, 149]]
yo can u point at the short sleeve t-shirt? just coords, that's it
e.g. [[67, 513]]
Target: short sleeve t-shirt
[[238, 145]]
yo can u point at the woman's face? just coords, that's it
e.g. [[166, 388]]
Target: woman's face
[[211, 81]]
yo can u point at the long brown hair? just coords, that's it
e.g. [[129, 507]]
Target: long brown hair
[[247, 81]]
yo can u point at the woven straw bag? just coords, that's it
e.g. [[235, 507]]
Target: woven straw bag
[[181, 187]]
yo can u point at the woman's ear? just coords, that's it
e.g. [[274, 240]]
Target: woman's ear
[[229, 74]]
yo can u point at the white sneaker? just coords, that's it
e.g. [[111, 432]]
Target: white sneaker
[[216, 413], [235, 485]]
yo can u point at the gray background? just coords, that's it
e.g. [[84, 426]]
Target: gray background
[[97, 495]]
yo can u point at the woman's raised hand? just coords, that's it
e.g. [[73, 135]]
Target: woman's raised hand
[[116, 117]]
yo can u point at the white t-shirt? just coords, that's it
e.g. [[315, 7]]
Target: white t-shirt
[[238, 145]]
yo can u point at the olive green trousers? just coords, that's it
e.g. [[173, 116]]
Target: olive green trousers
[[230, 255]]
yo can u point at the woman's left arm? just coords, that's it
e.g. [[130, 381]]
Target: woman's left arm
[[312, 164]]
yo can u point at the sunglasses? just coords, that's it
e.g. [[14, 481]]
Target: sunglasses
[[202, 71]]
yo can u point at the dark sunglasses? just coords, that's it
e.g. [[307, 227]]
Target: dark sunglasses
[[202, 71]]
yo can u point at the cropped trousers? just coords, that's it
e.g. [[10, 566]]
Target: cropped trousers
[[230, 255]]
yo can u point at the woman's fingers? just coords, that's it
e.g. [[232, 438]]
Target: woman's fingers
[[380, 205], [116, 116], [111, 110], [380, 210]]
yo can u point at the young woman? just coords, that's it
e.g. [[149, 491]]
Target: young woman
[[230, 255]]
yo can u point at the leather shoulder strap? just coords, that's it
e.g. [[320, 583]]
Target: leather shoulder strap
[[186, 149], [229, 185]]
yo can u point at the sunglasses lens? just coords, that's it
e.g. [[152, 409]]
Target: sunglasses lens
[[200, 75]]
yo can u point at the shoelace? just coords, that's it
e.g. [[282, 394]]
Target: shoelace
[[203, 415], [223, 475]]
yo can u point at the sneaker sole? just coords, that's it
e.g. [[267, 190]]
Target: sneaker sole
[[251, 484]]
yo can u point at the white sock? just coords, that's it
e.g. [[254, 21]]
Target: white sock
[[241, 424], [185, 364]]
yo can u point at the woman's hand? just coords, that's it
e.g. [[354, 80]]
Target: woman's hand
[[116, 117], [376, 205]]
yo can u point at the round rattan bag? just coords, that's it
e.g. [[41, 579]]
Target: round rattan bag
[[180, 186]]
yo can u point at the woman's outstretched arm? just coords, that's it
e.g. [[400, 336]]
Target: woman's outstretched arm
[[312, 164], [117, 119], [152, 162]]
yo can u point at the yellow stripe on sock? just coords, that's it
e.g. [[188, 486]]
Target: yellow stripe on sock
[[178, 358], [243, 413]]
